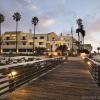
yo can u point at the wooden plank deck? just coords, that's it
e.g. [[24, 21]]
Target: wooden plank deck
[[69, 81]]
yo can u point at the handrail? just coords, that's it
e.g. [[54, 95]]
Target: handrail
[[25, 63], [94, 68], [95, 62], [15, 75]]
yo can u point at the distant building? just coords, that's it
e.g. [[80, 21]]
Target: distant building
[[51, 41], [67, 39], [25, 41], [88, 47]]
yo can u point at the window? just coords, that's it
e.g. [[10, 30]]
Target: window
[[34, 38], [12, 43], [24, 38], [42, 37], [24, 43], [53, 39], [7, 43], [31, 43], [40, 43], [29, 50], [7, 38], [22, 50]]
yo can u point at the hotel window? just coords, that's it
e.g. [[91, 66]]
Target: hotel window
[[24, 38], [53, 39], [7, 43], [31, 43], [34, 38], [40, 43], [12, 43], [7, 38], [42, 37], [24, 43]]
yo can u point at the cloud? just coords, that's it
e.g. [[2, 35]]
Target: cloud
[[32, 7], [47, 23], [94, 26]]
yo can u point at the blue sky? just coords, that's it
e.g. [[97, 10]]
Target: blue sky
[[54, 16]]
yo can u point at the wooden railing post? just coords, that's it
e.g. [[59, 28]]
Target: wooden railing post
[[98, 75]]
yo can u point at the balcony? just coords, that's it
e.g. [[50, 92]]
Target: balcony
[[8, 46], [8, 40], [25, 46]]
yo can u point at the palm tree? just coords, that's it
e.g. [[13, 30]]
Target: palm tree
[[83, 35], [17, 17], [79, 23], [98, 48], [2, 18], [35, 21], [80, 30]]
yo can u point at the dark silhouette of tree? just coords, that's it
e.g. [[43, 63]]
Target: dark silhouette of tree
[[2, 18], [98, 48], [83, 35], [80, 30], [62, 48], [35, 21], [17, 17], [79, 23]]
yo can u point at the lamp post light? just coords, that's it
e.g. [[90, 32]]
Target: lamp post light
[[11, 77]]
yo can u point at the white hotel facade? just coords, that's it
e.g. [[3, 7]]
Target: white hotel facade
[[25, 42]]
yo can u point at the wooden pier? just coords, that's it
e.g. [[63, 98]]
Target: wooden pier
[[68, 81]]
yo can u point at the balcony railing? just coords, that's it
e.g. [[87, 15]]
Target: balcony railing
[[8, 46], [9, 39], [14, 76]]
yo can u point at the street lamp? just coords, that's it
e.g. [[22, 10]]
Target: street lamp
[[12, 74], [11, 77]]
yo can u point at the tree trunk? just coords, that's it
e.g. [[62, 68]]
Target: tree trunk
[[83, 42], [78, 41], [16, 38], [34, 40], [72, 39]]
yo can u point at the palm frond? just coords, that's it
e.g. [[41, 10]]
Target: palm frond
[[2, 18], [17, 16]]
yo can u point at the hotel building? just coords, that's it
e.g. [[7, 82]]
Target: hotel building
[[25, 41], [50, 41]]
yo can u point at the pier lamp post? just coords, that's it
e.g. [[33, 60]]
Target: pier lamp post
[[11, 77]]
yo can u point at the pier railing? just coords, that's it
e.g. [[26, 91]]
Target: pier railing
[[94, 68], [15, 75]]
